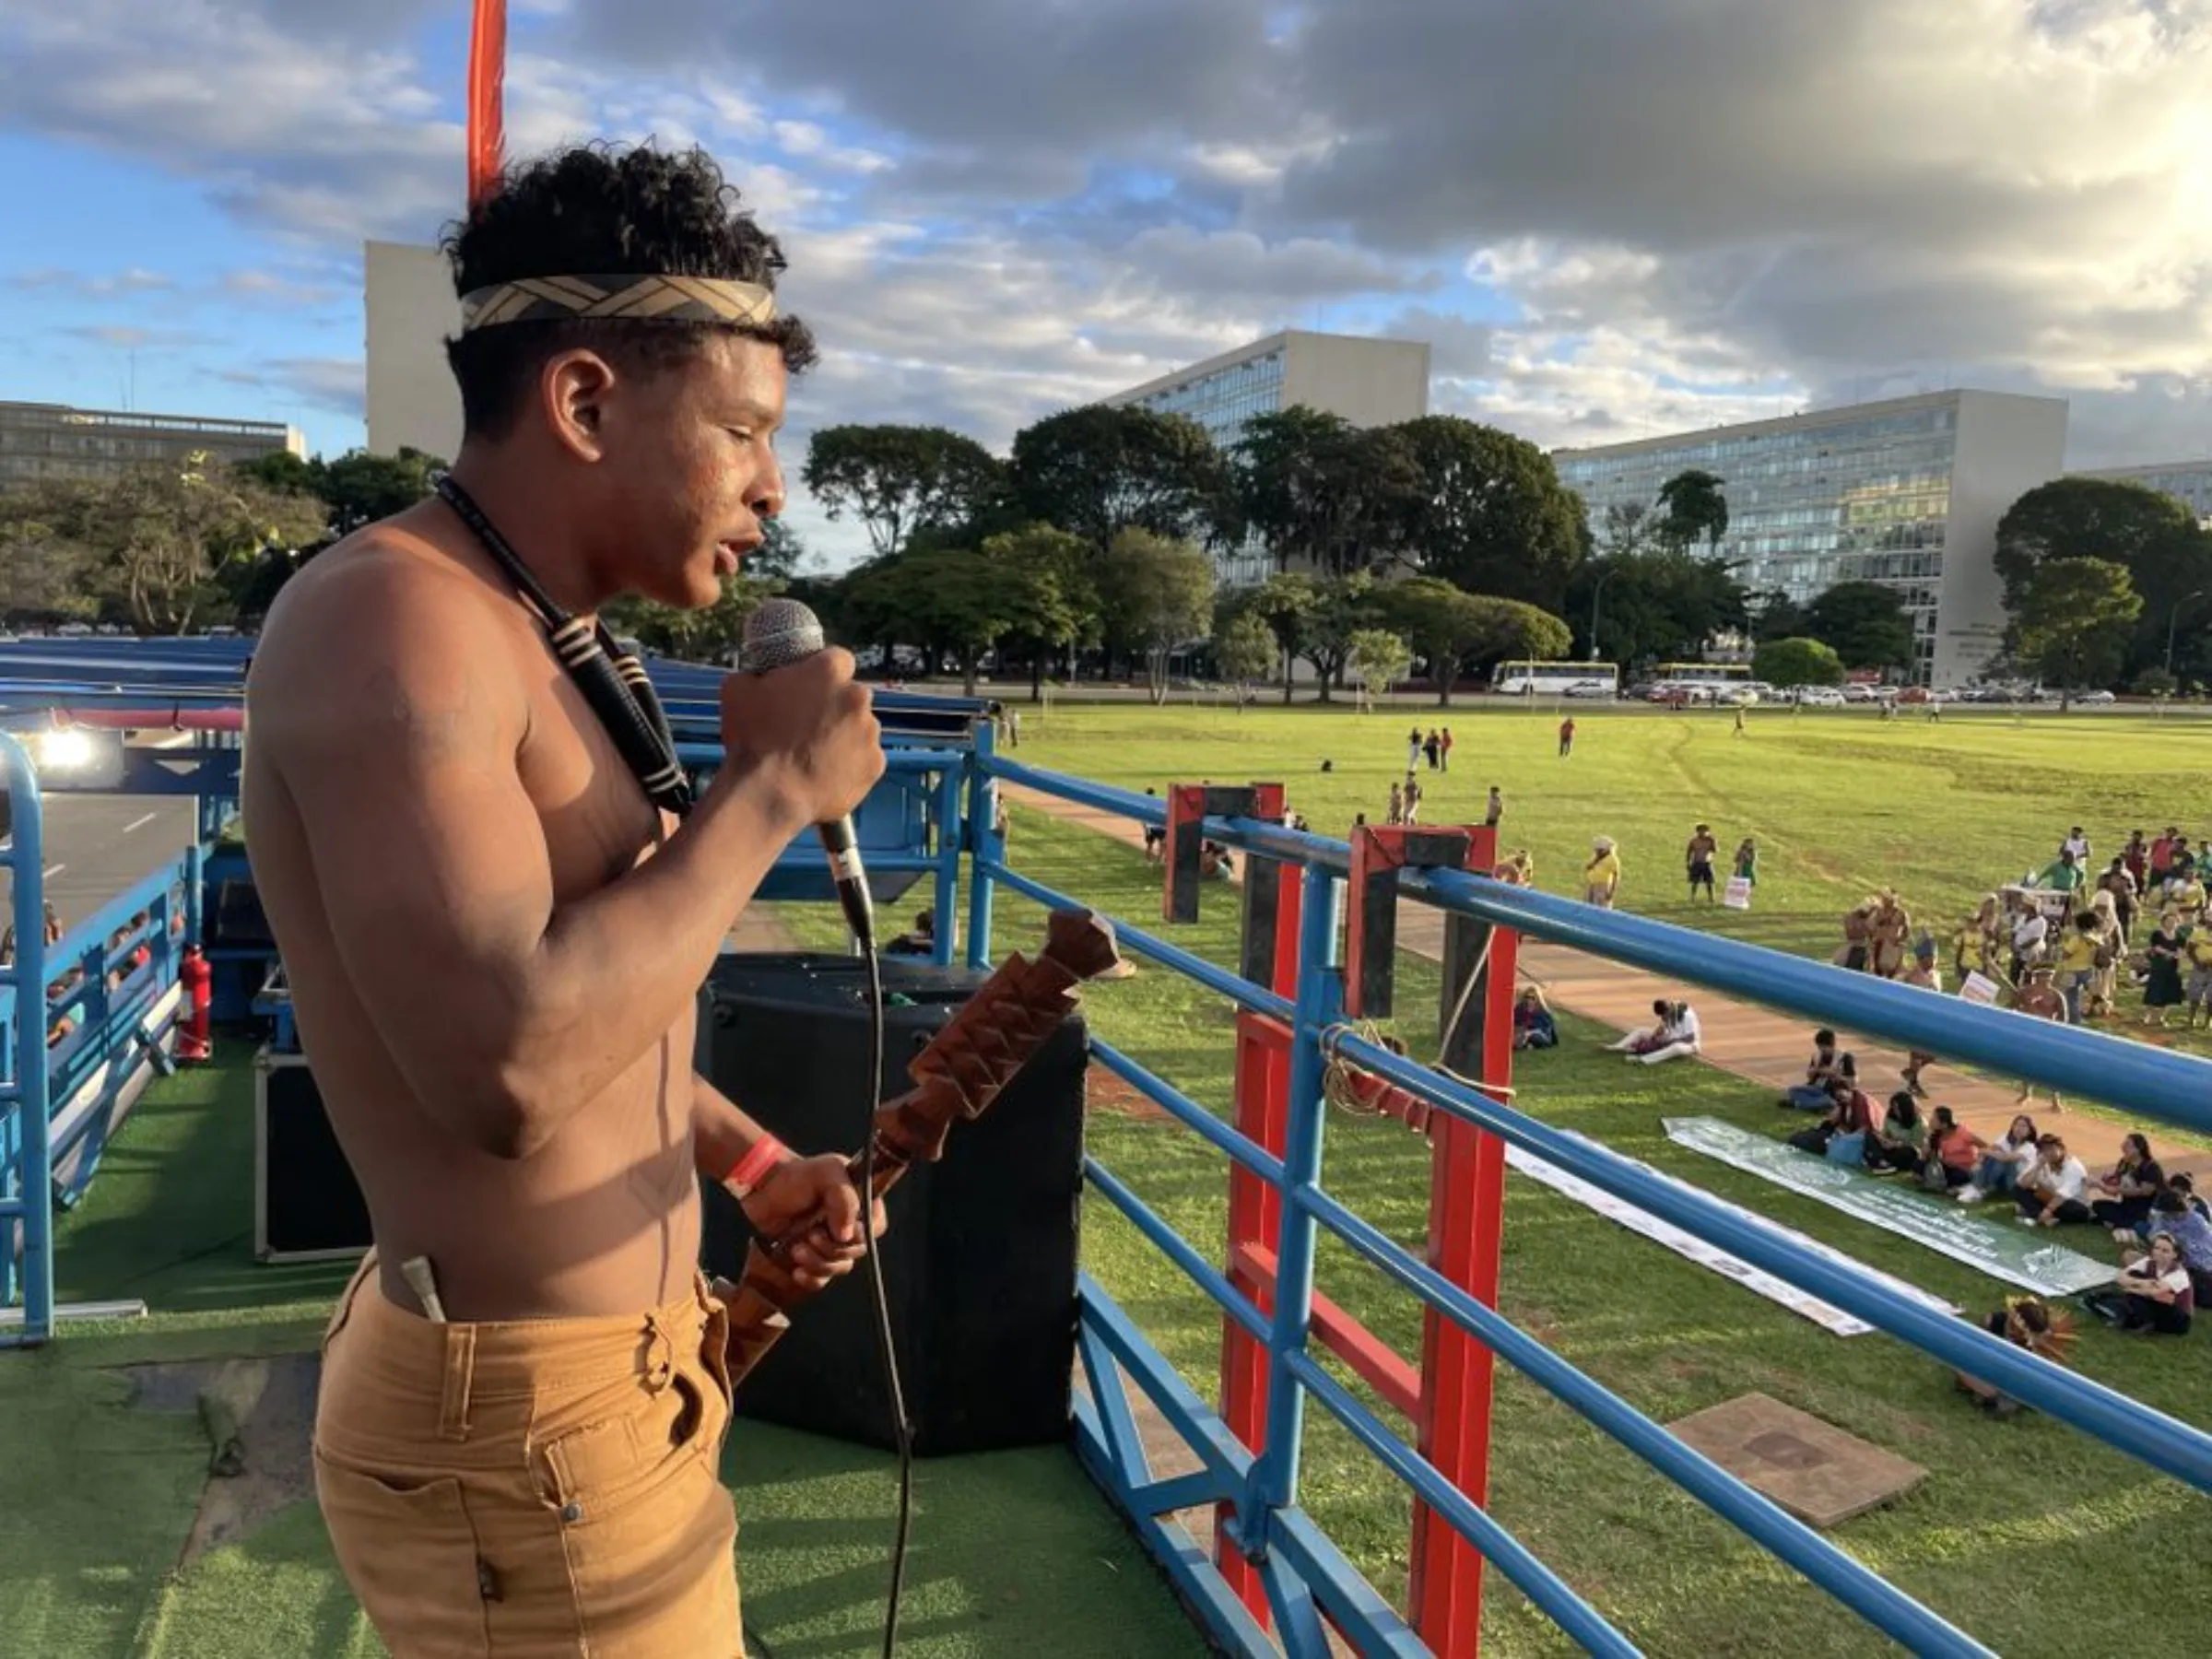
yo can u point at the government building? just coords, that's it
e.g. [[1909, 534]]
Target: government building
[[41, 441], [2188, 482], [1907, 493], [1370, 382]]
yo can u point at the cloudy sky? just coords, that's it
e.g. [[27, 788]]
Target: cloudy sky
[[1611, 218]]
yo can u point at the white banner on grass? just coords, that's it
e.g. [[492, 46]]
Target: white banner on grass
[[1719, 1261], [1999, 1248]]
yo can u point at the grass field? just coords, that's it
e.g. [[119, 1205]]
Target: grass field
[[1842, 802], [1839, 804]]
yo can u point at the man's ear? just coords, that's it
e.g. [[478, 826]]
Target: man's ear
[[574, 389]]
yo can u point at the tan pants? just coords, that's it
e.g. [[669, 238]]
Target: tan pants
[[532, 1489]]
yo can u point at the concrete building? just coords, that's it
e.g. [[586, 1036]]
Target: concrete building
[[1907, 493], [1368, 381], [412, 310], [53, 440], [2188, 482]]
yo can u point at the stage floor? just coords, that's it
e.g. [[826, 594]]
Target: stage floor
[[115, 1540]]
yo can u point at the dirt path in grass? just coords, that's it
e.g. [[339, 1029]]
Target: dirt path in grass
[[1756, 1044]]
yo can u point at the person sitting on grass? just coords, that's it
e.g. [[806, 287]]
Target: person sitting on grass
[[2004, 1162], [1849, 1112], [1534, 1027], [1900, 1143], [1953, 1152], [2157, 1297], [2121, 1201], [1673, 1036], [2026, 1321], [2050, 1192], [1812, 1094], [2172, 1213]]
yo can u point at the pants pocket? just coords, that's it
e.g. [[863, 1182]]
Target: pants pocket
[[410, 1550]]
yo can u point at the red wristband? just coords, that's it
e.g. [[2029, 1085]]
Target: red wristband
[[753, 1168]]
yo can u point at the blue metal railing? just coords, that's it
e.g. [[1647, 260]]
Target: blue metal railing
[[2159, 1085], [26, 1156]]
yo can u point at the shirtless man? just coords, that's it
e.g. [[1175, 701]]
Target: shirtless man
[[494, 939], [1699, 857]]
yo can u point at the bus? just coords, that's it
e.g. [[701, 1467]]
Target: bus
[[1555, 679], [1703, 674]]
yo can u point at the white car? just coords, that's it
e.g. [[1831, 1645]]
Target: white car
[[1821, 697]]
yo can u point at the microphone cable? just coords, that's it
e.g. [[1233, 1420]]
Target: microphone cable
[[886, 1340]]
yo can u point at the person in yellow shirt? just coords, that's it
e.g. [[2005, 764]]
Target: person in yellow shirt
[[2188, 897], [1601, 875], [2077, 962]]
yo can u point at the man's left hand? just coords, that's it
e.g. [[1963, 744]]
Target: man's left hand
[[817, 1194]]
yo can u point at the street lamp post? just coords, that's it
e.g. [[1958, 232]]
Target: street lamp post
[[1597, 594]]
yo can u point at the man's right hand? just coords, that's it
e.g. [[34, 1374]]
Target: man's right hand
[[807, 730]]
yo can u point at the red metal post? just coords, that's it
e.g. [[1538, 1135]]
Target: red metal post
[[1256, 1208], [1466, 1212]]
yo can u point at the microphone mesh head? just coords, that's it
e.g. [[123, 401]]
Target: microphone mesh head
[[780, 631]]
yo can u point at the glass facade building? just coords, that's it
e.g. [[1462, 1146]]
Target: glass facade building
[[1905, 493], [1368, 381], [2188, 482], [52, 441]]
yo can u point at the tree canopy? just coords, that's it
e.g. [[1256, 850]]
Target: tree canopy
[[1863, 622], [1692, 509], [1493, 517], [1099, 470], [1797, 663], [1158, 595], [2073, 619], [900, 480]]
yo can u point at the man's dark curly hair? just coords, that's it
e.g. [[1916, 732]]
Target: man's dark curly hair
[[599, 208]]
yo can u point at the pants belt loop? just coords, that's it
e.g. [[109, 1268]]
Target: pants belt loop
[[460, 1373]]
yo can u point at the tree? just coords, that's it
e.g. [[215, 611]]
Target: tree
[[949, 599], [162, 536], [1797, 663], [1777, 617], [709, 635], [1288, 604], [1324, 492], [2151, 535], [45, 561], [1654, 606], [359, 488], [1100, 470], [1246, 653], [899, 479], [1692, 507], [780, 554], [1053, 604], [1158, 595], [1633, 531], [1342, 606], [1378, 659], [1863, 622], [2074, 618], [1444, 625], [1492, 516]]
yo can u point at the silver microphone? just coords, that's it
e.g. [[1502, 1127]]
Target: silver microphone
[[784, 632]]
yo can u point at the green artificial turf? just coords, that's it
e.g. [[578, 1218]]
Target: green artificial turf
[[1014, 1554], [2005, 1504]]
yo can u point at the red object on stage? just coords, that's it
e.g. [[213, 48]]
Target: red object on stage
[[486, 102], [198, 977]]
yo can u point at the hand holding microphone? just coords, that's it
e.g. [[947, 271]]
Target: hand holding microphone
[[794, 711]]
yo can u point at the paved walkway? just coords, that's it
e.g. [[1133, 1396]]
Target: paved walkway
[[1768, 1048]]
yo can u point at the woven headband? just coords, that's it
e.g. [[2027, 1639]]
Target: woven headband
[[642, 298]]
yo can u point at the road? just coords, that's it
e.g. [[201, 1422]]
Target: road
[[97, 845]]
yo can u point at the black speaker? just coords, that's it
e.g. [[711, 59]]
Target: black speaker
[[979, 1259], [307, 1206]]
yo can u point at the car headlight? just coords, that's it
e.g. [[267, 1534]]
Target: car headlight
[[66, 751]]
